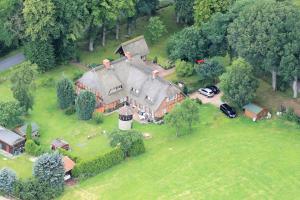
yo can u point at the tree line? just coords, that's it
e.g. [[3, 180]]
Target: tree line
[[264, 33], [49, 29]]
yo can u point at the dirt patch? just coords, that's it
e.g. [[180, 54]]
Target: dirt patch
[[216, 100]]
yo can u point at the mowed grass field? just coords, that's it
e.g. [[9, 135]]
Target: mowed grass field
[[222, 159]]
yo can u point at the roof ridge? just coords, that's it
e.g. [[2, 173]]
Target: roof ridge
[[132, 40]]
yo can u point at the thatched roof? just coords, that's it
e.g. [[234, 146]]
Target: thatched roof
[[135, 46]]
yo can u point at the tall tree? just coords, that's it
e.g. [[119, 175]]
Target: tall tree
[[11, 22], [85, 105], [184, 10], [204, 9], [8, 180], [155, 29], [65, 93], [238, 83], [259, 34], [49, 170], [210, 71], [22, 84], [10, 114]]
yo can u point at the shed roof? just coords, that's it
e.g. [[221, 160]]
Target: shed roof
[[22, 129], [135, 46], [59, 143], [253, 108], [68, 163], [9, 137]]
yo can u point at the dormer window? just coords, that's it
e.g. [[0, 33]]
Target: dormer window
[[149, 99], [115, 89], [135, 91]]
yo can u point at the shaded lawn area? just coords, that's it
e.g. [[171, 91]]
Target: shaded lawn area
[[222, 159], [21, 165], [158, 49]]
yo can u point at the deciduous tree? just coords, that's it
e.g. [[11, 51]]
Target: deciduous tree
[[210, 71], [184, 10], [10, 114], [155, 29], [238, 83]]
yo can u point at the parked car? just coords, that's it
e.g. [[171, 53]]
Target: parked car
[[214, 88], [228, 110], [206, 92]]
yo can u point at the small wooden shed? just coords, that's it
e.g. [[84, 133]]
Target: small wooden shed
[[255, 112], [58, 143], [11, 142]]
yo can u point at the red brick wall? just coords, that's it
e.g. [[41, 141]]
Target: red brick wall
[[168, 105]]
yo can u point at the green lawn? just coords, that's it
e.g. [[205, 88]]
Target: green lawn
[[230, 159], [21, 165]]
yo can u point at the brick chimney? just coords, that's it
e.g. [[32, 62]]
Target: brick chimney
[[106, 63], [155, 74], [128, 55]]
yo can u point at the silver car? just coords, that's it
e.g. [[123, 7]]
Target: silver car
[[206, 92]]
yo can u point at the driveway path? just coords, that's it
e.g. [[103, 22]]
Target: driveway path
[[11, 61], [216, 100]]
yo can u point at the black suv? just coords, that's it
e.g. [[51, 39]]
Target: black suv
[[228, 111], [213, 88]]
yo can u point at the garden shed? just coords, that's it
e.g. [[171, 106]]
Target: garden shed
[[69, 165], [11, 142], [34, 131], [58, 143], [254, 111]]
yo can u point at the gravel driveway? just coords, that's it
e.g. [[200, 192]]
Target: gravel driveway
[[216, 100]]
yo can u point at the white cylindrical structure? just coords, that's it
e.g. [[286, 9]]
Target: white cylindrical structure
[[125, 118]]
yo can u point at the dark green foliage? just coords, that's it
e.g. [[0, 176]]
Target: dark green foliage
[[291, 116], [29, 131], [22, 85], [189, 45], [184, 10], [239, 84], [71, 110], [10, 114], [209, 71], [126, 139], [34, 149], [31, 189], [49, 82], [98, 165], [184, 69], [85, 105], [65, 93], [137, 148], [98, 117], [155, 30], [49, 170], [146, 7], [8, 180], [40, 53]]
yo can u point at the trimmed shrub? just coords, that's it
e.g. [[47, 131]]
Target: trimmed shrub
[[98, 117], [85, 105], [184, 69], [33, 149], [98, 165], [137, 148], [7, 181], [65, 93]]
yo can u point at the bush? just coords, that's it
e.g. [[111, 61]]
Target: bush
[[125, 139], [85, 105], [198, 101], [184, 69], [137, 148], [77, 76], [93, 65], [155, 29], [7, 181], [291, 116], [65, 93], [31, 189], [71, 110], [98, 117], [98, 165], [33, 149]]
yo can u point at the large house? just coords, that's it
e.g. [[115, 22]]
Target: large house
[[11, 142], [129, 79]]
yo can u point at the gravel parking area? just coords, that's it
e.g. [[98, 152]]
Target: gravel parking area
[[216, 100]]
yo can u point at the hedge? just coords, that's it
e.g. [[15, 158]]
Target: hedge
[[137, 148], [86, 169]]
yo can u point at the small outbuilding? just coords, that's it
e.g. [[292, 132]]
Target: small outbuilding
[[58, 143], [255, 112], [11, 142], [23, 129], [69, 165], [125, 118], [136, 46]]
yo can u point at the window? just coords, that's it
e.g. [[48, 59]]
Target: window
[[115, 89], [149, 99], [135, 91]]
